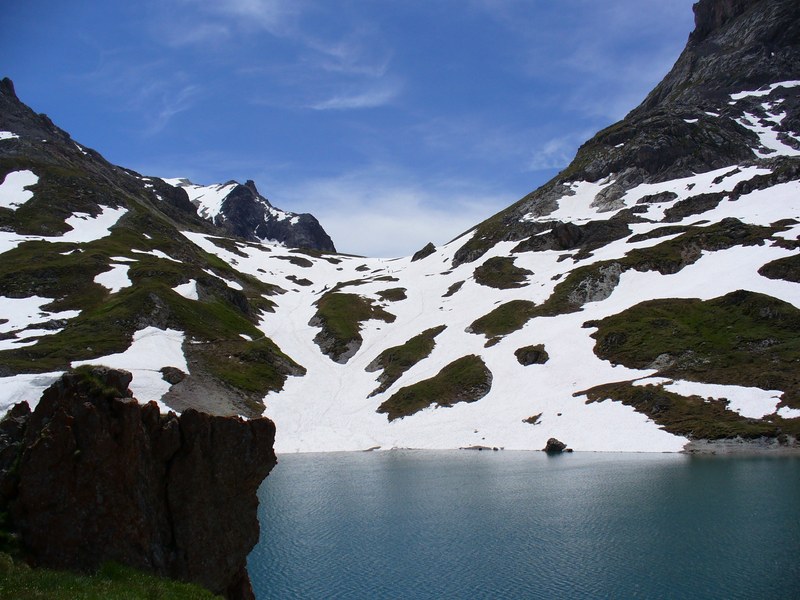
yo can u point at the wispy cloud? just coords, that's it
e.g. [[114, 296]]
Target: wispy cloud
[[557, 152], [189, 33], [166, 105], [274, 16], [151, 90], [597, 73], [370, 98], [343, 65]]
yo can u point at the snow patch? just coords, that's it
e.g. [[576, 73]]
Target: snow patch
[[187, 290], [114, 279], [13, 192], [157, 254], [231, 284], [789, 413], [750, 402], [21, 314], [7, 135], [765, 92]]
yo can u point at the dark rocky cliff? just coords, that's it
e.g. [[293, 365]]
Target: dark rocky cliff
[[92, 476]]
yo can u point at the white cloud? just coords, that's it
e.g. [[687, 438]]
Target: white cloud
[[380, 212]]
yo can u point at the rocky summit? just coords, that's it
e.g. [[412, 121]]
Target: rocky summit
[[644, 299]]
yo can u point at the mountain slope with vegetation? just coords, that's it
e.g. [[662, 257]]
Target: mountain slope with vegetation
[[643, 298]]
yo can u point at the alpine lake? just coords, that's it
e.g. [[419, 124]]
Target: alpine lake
[[469, 524]]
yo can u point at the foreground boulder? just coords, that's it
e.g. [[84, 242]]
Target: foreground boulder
[[92, 476]]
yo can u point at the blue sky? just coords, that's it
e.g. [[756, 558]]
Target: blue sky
[[394, 122]]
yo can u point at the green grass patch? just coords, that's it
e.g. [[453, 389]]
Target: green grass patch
[[392, 294], [111, 582], [742, 338], [398, 359], [501, 273], [300, 281], [533, 419], [466, 379], [453, 289], [252, 367], [504, 319], [787, 269], [340, 315], [297, 261], [692, 416]]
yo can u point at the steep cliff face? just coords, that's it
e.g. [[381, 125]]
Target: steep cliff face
[[93, 476], [736, 45]]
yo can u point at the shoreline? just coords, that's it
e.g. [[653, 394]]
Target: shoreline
[[743, 447], [700, 447]]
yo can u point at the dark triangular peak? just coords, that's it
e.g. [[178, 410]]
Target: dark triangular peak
[[247, 214]]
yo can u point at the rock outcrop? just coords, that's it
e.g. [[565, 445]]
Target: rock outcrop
[[555, 446], [92, 476], [247, 214]]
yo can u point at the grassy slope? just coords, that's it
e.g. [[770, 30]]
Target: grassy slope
[[107, 321], [667, 257], [398, 359], [742, 338], [340, 315], [466, 379], [111, 582]]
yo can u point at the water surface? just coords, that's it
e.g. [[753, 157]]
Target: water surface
[[467, 524]]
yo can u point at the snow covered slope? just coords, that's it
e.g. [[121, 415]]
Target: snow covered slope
[[646, 297]]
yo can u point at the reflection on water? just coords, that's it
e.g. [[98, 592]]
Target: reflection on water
[[466, 524]]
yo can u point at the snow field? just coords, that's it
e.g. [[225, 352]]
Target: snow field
[[328, 409]]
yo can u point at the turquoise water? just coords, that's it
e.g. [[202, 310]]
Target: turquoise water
[[466, 524]]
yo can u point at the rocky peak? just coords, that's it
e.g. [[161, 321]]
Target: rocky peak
[[710, 15], [7, 87], [251, 185]]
